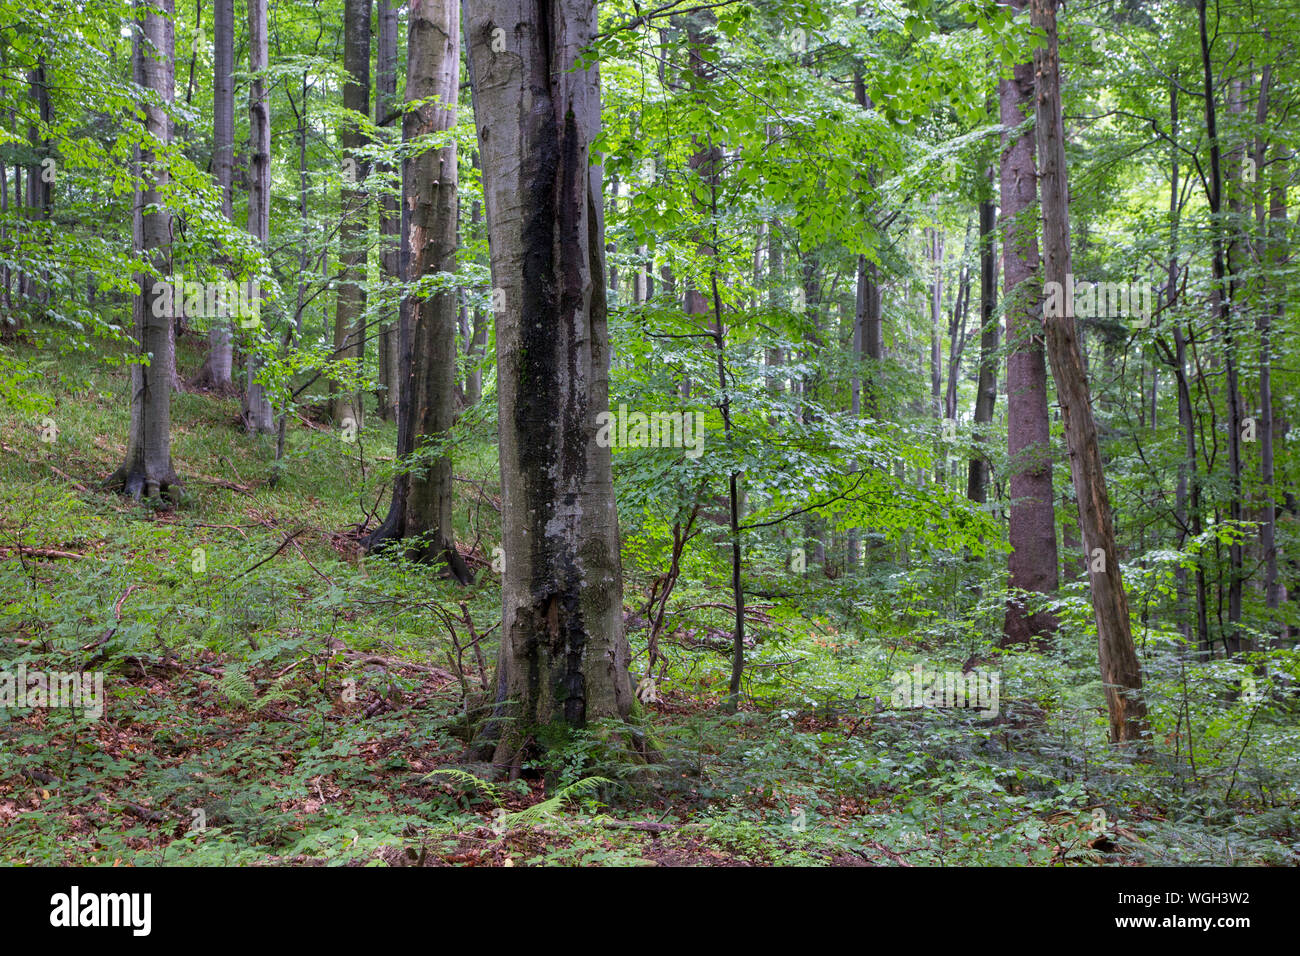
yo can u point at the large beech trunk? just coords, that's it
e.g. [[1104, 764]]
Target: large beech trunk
[[420, 512], [148, 467], [257, 409], [218, 367], [389, 217], [564, 657], [1118, 657], [350, 305]]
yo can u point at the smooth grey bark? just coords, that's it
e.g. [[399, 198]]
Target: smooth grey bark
[[257, 408], [476, 342], [148, 468], [218, 367], [420, 511], [1116, 653], [564, 656], [389, 216], [1032, 526], [350, 304], [986, 391]]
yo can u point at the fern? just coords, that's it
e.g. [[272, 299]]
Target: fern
[[490, 790], [237, 688], [548, 808]]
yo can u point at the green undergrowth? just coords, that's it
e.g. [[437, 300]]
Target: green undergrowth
[[274, 695]]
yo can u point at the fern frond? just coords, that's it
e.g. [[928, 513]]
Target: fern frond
[[539, 811], [465, 778], [237, 688]]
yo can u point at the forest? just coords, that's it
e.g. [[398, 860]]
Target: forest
[[745, 433]]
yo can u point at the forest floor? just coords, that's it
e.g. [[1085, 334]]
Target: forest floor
[[274, 696]]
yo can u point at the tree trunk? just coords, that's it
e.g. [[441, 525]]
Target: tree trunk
[[350, 305], [957, 331], [986, 392], [1226, 266], [1118, 657], [257, 409], [1032, 532], [148, 467], [477, 344], [5, 274], [389, 215], [1032, 527], [564, 657], [294, 336], [218, 367], [934, 251], [40, 188], [1272, 313], [420, 511]]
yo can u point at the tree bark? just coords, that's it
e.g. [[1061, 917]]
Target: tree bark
[[477, 344], [218, 367], [257, 409], [934, 251], [389, 215], [957, 331], [148, 466], [1226, 266], [350, 305], [564, 657], [1118, 657], [420, 511], [1272, 314], [986, 392], [1032, 527]]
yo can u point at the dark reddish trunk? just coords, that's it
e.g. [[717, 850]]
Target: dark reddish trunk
[[1032, 530]]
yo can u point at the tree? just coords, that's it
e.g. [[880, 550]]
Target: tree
[[986, 394], [350, 305], [148, 466], [564, 657], [219, 365], [1222, 295], [1032, 527], [420, 512], [257, 409], [1117, 655], [389, 217]]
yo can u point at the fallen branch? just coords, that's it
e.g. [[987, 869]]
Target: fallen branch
[[47, 552], [144, 813], [397, 664]]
